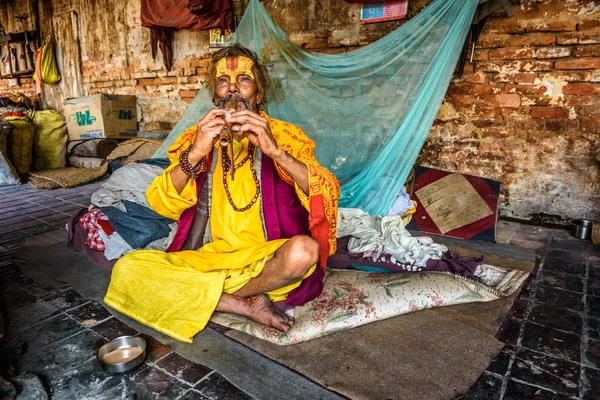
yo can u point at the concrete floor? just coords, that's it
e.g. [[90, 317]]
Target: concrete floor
[[552, 334]]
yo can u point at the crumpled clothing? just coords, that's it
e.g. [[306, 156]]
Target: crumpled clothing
[[90, 223], [373, 235], [163, 243], [127, 183], [115, 246], [139, 225], [402, 204]]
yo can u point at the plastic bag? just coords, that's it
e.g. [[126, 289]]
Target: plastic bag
[[46, 69]]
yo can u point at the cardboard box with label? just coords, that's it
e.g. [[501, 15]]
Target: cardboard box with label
[[101, 116]]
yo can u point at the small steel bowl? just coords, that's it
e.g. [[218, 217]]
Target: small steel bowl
[[122, 354], [581, 229]]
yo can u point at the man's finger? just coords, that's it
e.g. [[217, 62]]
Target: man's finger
[[243, 119], [212, 115], [215, 122]]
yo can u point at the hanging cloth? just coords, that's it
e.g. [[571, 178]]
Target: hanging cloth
[[163, 17], [369, 110]]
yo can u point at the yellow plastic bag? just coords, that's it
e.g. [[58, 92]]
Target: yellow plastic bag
[[46, 69]]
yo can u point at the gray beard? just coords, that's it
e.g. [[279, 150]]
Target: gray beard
[[225, 100]]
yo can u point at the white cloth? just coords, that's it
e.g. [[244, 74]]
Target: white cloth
[[114, 244], [127, 183], [374, 234], [402, 204]]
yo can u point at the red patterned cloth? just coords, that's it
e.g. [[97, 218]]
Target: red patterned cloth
[[90, 222]]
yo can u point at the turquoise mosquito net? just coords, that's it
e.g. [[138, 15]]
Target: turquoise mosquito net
[[369, 110]]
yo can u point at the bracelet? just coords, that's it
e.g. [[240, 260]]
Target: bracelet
[[186, 167]]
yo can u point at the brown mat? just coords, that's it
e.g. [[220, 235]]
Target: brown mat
[[135, 149], [65, 177], [431, 354]]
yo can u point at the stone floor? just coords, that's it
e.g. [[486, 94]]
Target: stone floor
[[552, 335]]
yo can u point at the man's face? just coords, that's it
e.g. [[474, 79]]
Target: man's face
[[235, 81]]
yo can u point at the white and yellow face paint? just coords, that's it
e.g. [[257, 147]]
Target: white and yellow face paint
[[233, 67]]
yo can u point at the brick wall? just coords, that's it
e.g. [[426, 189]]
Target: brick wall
[[526, 112]]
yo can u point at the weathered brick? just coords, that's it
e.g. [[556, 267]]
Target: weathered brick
[[146, 82], [468, 100], [582, 89], [590, 24], [511, 53], [459, 89], [588, 125], [508, 100], [589, 111], [587, 51], [550, 26], [532, 39], [567, 76], [492, 41], [525, 89], [487, 122], [528, 66], [583, 100], [476, 78], [488, 66], [188, 93], [502, 25], [166, 80], [517, 77], [200, 63], [581, 63], [481, 54], [549, 113], [552, 52], [536, 101], [562, 125], [578, 38], [487, 89]]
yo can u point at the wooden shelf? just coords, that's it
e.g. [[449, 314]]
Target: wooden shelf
[[18, 37], [24, 41]]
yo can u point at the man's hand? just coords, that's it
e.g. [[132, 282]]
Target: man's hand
[[209, 129], [253, 125], [259, 134]]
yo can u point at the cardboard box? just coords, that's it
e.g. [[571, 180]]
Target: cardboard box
[[101, 116]]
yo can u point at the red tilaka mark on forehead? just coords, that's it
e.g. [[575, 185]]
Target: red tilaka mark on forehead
[[232, 63]]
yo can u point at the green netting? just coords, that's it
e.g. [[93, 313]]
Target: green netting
[[369, 110]]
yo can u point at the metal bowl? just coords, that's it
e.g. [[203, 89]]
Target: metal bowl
[[122, 354], [581, 229]]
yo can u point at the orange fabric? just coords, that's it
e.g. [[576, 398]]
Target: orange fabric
[[324, 188]]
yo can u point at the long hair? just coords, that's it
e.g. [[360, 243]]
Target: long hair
[[263, 82]]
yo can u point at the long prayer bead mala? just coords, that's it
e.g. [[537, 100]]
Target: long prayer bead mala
[[226, 163], [185, 165]]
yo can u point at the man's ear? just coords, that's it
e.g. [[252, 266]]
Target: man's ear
[[260, 97]]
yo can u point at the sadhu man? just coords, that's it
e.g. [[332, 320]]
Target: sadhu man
[[259, 235]]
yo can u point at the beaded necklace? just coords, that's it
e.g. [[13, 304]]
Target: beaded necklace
[[227, 164]]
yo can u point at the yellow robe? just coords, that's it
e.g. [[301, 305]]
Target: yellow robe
[[176, 293]]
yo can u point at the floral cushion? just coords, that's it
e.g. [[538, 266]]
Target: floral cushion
[[353, 298]]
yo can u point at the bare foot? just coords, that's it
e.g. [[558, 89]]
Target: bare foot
[[260, 309]]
